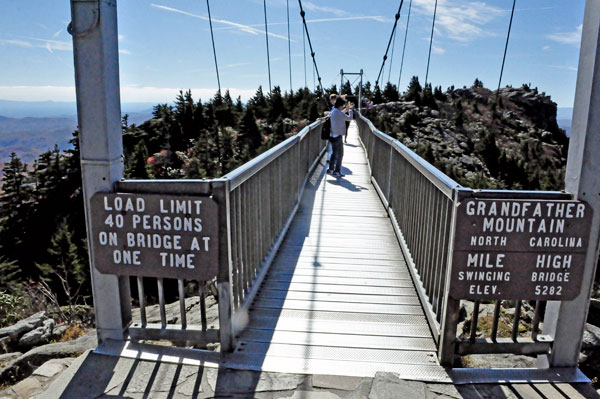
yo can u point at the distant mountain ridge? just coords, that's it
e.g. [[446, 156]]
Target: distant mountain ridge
[[53, 109], [28, 137]]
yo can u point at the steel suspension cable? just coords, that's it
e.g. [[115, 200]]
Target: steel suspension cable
[[289, 45], [431, 42], [404, 46], [267, 38], [312, 52], [512, 13], [304, 47], [397, 17], [213, 45], [392, 57]]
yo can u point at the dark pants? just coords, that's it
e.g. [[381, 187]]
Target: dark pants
[[335, 163]]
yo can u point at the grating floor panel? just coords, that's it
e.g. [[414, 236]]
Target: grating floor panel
[[338, 298]]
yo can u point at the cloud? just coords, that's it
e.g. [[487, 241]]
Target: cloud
[[377, 18], [546, 48], [19, 43], [236, 65], [564, 67], [128, 93], [32, 42], [461, 21], [313, 7], [124, 52], [437, 50], [567, 37], [240, 27]]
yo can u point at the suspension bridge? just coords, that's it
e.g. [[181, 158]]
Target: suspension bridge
[[348, 276]]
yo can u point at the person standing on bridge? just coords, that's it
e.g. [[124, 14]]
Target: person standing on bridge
[[332, 98], [338, 120]]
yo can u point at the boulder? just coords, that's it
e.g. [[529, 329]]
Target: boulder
[[24, 365], [39, 335], [591, 337], [23, 326]]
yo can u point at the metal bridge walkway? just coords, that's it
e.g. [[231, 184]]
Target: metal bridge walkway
[[338, 298]]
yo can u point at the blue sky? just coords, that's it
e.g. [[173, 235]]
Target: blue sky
[[165, 45]]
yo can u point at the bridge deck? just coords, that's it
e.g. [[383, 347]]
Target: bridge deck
[[339, 298]]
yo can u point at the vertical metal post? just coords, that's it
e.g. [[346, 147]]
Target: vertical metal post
[[566, 320], [226, 299], [451, 306], [360, 92], [341, 80], [95, 51]]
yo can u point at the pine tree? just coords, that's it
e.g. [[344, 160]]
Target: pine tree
[[258, 103], [9, 275], [66, 268], [427, 98], [390, 93], [14, 206], [477, 84], [138, 167], [346, 88], [250, 135], [276, 107], [413, 93], [378, 96]]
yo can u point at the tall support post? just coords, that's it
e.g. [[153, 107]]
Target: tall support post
[[360, 92], [95, 51], [566, 320], [341, 80]]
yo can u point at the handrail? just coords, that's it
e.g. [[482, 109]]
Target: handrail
[[441, 180], [257, 202], [250, 168], [422, 203]]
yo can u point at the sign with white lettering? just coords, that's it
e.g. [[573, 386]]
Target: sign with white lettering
[[155, 235], [519, 249]]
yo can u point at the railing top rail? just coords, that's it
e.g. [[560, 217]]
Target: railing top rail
[[168, 186], [517, 194], [250, 168], [439, 179], [236, 177]]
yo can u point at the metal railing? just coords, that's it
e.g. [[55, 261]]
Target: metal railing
[[257, 202], [421, 202], [264, 195], [419, 199]]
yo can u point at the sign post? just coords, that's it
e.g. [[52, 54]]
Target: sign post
[[566, 320], [95, 51]]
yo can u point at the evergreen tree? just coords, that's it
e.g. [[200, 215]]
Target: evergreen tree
[[249, 133], [138, 167], [276, 108], [413, 93], [438, 94], [9, 275], [14, 206], [477, 84], [346, 88], [258, 103], [427, 98], [66, 269], [390, 93], [366, 91], [378, 96]]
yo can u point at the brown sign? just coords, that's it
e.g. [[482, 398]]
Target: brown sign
[[155, 235], [519, 249]]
